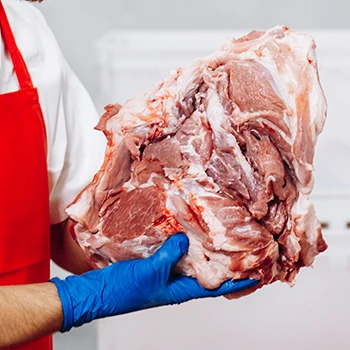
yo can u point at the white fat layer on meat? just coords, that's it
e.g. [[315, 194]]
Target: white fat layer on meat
[[318, 104], [215, 269], [138, 246], [82, 235], [172, 173], [99, 240], [237, 248], [303, 213], [271, 178], [284, 84], [162, 111], [80, 208], [274, 76], [216, 117], [150, 181], [194, 262], [195, 168], [217, 230], [128, 186]]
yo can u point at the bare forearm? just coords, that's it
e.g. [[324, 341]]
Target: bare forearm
[[28, 312], [65, 252]]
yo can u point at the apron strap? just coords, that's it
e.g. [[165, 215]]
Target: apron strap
[[20, 68]]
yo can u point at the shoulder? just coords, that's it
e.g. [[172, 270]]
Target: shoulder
[[35, 40], [21, 8], [24, 15]]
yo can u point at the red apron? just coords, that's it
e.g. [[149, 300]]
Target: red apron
[[24, 194]]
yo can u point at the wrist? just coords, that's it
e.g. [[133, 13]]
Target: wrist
[[66, 302], [80, 297]]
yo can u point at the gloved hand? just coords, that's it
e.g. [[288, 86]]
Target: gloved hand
[[134, 285]]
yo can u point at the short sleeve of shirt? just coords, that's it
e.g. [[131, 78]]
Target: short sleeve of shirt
[[75, 149]]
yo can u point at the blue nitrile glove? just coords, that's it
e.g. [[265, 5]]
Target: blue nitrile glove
[[133, 285]]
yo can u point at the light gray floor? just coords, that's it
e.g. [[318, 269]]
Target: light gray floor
[[82, 338]]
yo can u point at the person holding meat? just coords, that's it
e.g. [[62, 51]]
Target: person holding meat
[[49, 153]]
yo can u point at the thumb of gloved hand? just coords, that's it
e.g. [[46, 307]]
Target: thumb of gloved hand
[[150, 277], [133, 285], [168, 255]]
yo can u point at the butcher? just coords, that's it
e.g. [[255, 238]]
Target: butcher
[[49, 153]]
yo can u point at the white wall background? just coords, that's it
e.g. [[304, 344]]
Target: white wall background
[[78, 24], [318, 308]]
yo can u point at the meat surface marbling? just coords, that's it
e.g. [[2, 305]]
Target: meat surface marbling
[[221, 149]]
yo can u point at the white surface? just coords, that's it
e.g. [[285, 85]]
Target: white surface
[[315, 314], [79, 23]]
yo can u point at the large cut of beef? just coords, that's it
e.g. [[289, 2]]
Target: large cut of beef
[[222, 149]]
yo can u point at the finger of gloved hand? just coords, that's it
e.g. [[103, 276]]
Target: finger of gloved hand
[[169, 254], [186, 288]]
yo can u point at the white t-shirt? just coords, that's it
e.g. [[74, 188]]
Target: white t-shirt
[[75, 149]]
